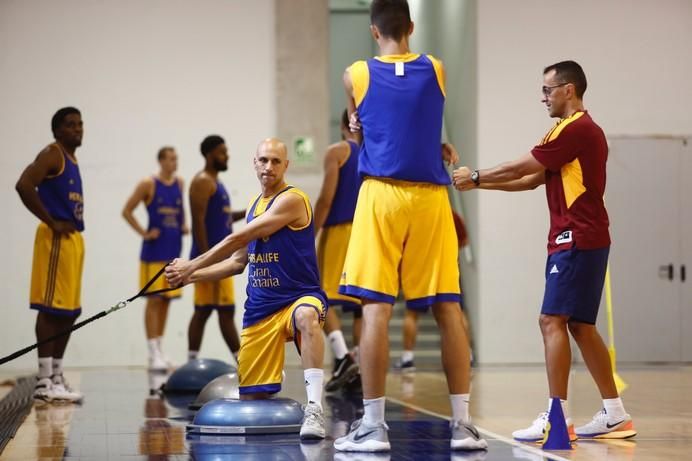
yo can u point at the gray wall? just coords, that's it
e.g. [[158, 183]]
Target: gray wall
[[144, 74], [302, 94]]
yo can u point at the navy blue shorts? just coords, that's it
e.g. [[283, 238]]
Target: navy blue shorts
[[574, 283]]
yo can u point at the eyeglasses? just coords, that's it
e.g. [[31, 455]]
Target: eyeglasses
[[547, 90]]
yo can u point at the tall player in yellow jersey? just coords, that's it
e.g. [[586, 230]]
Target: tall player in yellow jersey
[[51, 188], [403, 231], [285, 301]]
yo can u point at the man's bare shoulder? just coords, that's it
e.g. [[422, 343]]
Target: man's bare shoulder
[[202, 180]]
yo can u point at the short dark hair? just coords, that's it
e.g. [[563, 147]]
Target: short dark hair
[[344, 118], [210, 143], [392, 17], [570, 72], [162, 152], [60, 116]]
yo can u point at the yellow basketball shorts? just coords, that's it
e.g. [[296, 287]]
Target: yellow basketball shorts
[[149, 269], [403, 236], [331, 253], [56, 272], [215, 295], [262, 346]]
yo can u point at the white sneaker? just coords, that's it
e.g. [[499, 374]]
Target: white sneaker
[[63, 392], [465, 436], [364, 438], [157, 363], [313, 422], [536, 431], [600, 428], [43, 390]]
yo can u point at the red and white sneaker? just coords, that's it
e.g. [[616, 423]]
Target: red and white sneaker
[[536, 431], [601, 428]]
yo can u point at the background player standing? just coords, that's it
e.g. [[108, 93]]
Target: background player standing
[[51, 188], [212, 221], [162, 194]]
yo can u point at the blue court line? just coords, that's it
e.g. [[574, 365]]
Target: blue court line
[[485, 432]]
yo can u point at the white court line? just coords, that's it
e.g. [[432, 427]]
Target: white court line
[[486, 432]]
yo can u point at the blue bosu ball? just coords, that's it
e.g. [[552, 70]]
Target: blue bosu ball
[[195, 374], [229, 416]]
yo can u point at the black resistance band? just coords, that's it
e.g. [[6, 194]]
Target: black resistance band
[[120, 305]]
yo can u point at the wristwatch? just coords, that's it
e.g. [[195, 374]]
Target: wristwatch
[[476, 178]]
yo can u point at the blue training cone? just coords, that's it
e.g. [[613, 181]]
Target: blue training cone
[[556, 435]]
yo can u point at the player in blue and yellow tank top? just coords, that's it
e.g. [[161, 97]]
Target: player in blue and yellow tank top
[[284, 298], [162, 195], [51, 188], [212, 221], [403, 233], [333, 217]]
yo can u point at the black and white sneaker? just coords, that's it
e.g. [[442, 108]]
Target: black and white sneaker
[[405, 366], [43, 390], [345, 370]]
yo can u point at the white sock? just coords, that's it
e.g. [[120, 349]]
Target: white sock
[[614, 409], [192, 355], [373, 411], [338, 344], [460, 407], [158, 345], [153, 346], [407, 356], [314, 377], [563, 404], [45, 367], [57, 366]]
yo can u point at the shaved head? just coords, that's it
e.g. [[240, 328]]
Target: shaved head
[[272, 145], [271, 162]]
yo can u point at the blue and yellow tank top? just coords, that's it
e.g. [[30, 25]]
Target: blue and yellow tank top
[[218, 220], [281, 267], [61, 194], [400, 103], [166, 214], [346, 196]]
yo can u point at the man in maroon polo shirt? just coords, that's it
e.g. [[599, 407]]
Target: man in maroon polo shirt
[[571, 161]]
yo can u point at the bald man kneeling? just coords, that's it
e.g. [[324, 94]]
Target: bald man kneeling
[[285, 301]]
